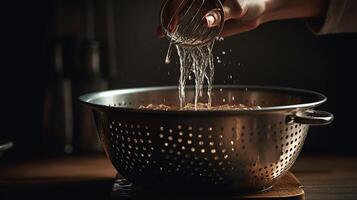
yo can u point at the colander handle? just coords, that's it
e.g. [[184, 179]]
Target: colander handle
[[311, 117]]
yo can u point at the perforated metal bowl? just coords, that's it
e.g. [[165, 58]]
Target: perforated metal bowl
[[241, 151]]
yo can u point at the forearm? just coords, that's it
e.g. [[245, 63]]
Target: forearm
[[289, 9]]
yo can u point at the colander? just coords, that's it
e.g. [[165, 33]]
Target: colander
[[205, 151]]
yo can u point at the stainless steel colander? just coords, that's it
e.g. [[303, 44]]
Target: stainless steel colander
[[241, 151]]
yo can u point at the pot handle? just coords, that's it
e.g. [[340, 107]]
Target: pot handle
[[311, 117]]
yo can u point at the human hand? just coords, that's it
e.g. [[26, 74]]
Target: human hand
[[245, 15]]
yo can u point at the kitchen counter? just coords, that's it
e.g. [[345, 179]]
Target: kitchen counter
[[327, 177], [92, 177]]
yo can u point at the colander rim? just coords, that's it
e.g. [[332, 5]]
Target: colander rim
[[87, 99]]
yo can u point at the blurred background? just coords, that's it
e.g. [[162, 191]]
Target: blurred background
[[56, 50]]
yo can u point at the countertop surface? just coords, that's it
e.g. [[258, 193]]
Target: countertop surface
[[327, 177], [91, 177]]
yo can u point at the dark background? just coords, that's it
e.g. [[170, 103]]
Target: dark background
[[284, 53]]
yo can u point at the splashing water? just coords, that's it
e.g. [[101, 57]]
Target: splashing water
[[197, 60]]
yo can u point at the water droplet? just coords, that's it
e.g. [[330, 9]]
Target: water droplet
[[230, 76], [233, 98], [224, 100], [168, 54], [168, 73], [219, 61], [223, 53], [220, 89], [167, 59], [190, 77]]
